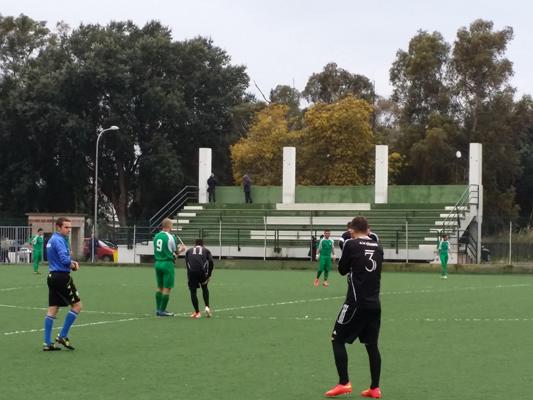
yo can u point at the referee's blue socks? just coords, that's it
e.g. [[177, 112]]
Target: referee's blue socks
[[48, 325], [69, 320]]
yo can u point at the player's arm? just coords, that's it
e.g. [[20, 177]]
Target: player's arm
[[63, 253], [344, 262], [211, 264]]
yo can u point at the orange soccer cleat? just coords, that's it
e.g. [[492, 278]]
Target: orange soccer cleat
[[339, 389], [196, 315], [316, 282], [372, 393]]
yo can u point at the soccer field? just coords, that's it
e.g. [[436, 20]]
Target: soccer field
[[468, 337]]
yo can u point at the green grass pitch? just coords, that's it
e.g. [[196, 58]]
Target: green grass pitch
[[468, 337]]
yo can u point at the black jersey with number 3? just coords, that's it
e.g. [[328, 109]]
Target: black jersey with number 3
[[361, 260]]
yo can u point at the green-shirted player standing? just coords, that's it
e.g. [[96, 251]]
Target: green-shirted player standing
[[37, 246], [324, 253], [444, 247], [165, 250]]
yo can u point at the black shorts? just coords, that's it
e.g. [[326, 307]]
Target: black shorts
[[195, 279], [61, 290], [353, 323]]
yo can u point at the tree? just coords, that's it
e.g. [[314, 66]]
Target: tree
[[283, 94], [260, 153], [480, 69], [419, 79], [336, 144], [333, 84], [168, 98], [481, 74]]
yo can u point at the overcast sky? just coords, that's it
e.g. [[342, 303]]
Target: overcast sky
[[285, 41]]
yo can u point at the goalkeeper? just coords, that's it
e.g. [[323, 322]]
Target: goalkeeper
[[325, 252]]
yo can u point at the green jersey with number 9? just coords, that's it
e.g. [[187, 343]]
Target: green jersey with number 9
[[164, 246]]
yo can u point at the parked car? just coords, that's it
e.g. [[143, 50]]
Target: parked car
[[104, 249]]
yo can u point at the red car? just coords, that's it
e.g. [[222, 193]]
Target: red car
[[105, 250]]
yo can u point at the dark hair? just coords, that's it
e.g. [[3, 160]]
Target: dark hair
[[359, 224], [39, 230], [61, 220], [198, 242]]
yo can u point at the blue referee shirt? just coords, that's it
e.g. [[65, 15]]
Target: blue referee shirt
[[58, 253]]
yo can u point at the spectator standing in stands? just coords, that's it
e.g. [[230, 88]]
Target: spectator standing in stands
[[247, 185], [211, 188]]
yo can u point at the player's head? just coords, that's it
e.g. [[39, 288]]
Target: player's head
[[40, 231], [327, 232], [198, 242], [445, 237], [63, 226], [166, 224], [359, 225]]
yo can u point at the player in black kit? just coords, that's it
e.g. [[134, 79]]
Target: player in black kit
[[360, 315], [200, 266]]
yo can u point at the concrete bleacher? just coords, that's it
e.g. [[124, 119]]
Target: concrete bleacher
[[270, 230]]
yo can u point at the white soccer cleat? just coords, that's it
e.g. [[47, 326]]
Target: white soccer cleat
[[208, 312]]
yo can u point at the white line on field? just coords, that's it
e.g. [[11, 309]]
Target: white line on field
[[84, 311], [147, 316], [8, 289]]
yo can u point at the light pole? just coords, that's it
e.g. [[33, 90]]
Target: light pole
[[95, 220], [458, 156]]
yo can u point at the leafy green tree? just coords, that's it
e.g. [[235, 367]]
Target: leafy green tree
[[182, 95], [481, 74], [481, 71], [334, 83]]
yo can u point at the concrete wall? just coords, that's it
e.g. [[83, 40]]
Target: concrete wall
[[411, 194]]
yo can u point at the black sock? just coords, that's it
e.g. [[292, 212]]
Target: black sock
[[374, 360], [205, 294], [341, 361], [194, 299]]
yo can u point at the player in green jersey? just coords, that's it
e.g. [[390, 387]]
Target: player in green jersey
[[325, 251], [444, 247], [37, 246], [165, 252]]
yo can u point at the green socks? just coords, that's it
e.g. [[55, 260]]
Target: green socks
[[158, 298], [164, 301]]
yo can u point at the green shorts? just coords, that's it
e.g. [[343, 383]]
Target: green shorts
[[164, 274], [324, 263]]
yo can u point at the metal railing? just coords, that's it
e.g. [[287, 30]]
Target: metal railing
[[188, 193], [14, 244]]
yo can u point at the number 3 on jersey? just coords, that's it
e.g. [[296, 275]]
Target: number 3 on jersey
[[370, 254], [159, 244]]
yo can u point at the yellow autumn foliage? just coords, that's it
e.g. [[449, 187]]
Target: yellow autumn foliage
[[334, 147], [336, 144], [260, 153]]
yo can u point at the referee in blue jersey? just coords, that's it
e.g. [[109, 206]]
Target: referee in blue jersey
[[61, 289]]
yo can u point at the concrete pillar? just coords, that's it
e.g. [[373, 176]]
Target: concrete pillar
[[381, 186], [204, 172], [475, 173], [289, 175]]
